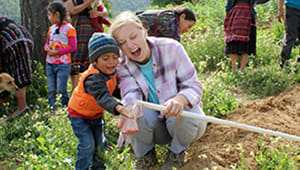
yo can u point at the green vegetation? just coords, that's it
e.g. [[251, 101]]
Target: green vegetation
[[42, 141]]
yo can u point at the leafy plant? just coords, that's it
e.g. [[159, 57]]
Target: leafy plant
[[277, 159], [217, 99], [265, 81]]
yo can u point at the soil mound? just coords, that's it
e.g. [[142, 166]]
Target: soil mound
[[221, 146]]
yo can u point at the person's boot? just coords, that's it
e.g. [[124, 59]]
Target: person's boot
[[173, 161], [147, 161]]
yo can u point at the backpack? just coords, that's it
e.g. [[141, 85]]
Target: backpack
[[160, 23]]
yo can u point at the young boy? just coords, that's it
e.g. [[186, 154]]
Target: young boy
[[91, 97]]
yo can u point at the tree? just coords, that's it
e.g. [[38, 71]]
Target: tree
[[34, 18]]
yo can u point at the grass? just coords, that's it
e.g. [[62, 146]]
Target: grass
[[42, 141]]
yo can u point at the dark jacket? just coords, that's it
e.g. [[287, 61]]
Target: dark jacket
[[231, 3], [95, 84]]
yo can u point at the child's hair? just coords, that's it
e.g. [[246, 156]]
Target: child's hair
[[124, 18], [189, 14], [61, 9]]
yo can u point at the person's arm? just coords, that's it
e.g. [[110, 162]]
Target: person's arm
[[46, 46], [130, 90], [76, 9], [280, 10], [95, 85], [189, 87], [70, 48], [95, 13], [72, 43]]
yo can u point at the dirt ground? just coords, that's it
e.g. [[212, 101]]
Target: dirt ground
[[221, 146]]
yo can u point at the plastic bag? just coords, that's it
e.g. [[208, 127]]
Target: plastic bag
[[128, 126]]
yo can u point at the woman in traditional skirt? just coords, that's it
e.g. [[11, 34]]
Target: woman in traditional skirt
[[240, 30], [84, 31]]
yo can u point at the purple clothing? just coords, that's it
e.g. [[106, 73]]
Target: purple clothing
[[173, 71]]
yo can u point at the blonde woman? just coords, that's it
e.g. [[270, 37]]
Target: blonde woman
[[157, 70]]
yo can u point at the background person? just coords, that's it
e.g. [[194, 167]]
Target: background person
[[157, 70], [84, 31], [292, 27], [168, 23], [16, 47], [60, 43], [240, 30]]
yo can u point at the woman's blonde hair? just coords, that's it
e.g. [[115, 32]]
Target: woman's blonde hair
[[124, 18]]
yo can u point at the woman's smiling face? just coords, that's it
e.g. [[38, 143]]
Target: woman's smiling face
[[132, 41]]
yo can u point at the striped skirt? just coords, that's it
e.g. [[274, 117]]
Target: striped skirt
[[80, 57], [240, 30]]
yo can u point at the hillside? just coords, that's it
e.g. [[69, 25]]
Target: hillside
[[133, 5]]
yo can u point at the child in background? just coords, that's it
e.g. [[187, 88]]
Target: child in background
[[91, 97], [98, 21], [60, 43]]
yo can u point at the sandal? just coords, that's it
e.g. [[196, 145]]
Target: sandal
[[10, 118]]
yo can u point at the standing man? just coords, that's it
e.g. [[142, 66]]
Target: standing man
[[292, 27]]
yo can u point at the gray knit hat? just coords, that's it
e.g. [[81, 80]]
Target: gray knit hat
[[101, 43]]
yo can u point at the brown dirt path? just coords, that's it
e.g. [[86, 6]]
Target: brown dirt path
[[221, 146]]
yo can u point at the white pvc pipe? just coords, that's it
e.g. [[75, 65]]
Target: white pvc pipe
[[219, 121]]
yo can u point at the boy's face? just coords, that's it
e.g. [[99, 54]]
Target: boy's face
[[107, 63]]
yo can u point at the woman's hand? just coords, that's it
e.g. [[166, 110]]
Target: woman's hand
[[175, 106]]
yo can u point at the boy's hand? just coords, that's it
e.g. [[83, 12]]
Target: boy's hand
[[124, 111]]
